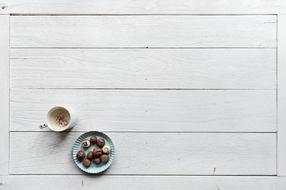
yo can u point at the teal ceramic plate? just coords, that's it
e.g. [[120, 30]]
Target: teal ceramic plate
[[93, 169]]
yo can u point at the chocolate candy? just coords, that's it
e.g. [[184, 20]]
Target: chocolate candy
[[86, 144], [86, 162], [100, 142], [104, 158], [80, 155], [97, 152], [97, 161], [105, 150], [90, 155], [93, 139]]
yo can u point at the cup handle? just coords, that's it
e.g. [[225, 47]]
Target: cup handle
[[43, 126]]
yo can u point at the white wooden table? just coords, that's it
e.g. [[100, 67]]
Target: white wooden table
[[193, 93]]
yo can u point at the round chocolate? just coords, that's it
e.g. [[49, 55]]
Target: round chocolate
[[97, 161], [80, 155], [90, 155], [93, 139], [97, 152], [86, 162], [100, 142], [104, 158], [86, 144], [105, 150]]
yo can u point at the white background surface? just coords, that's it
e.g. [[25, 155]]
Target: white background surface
[[191, 92]]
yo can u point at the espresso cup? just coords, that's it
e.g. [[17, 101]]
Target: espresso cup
[[59, 118]]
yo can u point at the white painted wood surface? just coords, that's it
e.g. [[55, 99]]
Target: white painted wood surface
[[281, 96], [143, 68], [48, 182], [143, 31], [143, 7], [220, 114], [151, 153], [4, 94], [150, 110]]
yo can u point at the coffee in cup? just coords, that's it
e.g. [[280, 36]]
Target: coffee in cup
[[59, 118]]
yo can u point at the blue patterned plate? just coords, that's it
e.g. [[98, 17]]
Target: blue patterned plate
[[93, 169]]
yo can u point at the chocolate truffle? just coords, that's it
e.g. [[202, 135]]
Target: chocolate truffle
[[104, 158], [80, 155], [105, 150], [89, 155], [100, 142], [97, 152], [97, 161], [93, 139], [86, 144], [86, 162]]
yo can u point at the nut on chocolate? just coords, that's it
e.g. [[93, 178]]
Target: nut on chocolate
[[105, 150], [86, 144]]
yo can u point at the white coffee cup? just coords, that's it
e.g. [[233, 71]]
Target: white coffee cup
[[59, 118]]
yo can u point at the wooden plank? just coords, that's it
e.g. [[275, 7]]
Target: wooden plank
[[150, 110], [143, 31], [143, 7], [4, 93], [143, 68], [48, 182], [281, 96], [151, 153]]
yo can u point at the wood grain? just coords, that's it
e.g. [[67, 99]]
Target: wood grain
[[48, 182], [151, 153], [143, 31], [149, 110], [4, 93], [143, 7], [143, 68]]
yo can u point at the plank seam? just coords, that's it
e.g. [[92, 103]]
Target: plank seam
[[143, 47], [166, 175], [277, 93], [151, 89], [9, 92], [154, 14], [161, 132], [145, 175]]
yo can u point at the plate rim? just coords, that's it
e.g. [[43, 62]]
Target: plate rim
[[87, 170]]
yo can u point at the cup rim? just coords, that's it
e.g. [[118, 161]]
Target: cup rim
[[50, 126]]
